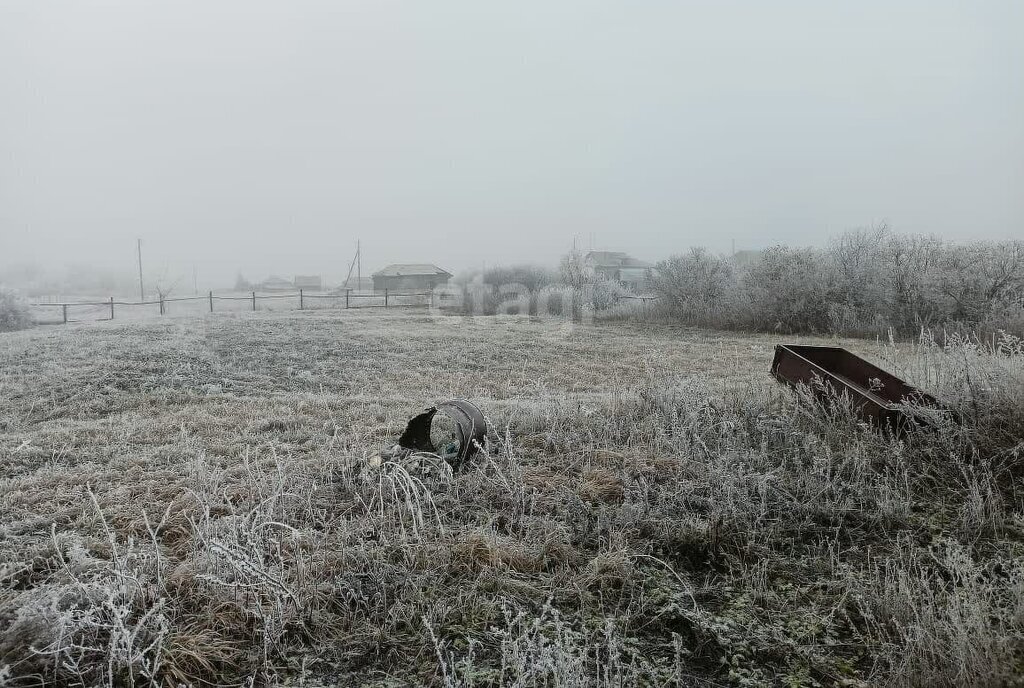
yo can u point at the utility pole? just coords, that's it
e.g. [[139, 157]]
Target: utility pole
[[195, 279], [142, 288], [359, 266], [356, 259]]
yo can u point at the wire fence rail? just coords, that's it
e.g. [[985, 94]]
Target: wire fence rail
[[349, 297]]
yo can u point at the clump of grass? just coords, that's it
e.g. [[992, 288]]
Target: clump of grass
[[941, 617]]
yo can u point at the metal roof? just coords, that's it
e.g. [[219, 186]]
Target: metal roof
[[405, 269]]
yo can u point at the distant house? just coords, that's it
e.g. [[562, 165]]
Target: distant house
[[410, 277], [620, 267], [275, 283], [357, 284], [309, 282], [746, 257]]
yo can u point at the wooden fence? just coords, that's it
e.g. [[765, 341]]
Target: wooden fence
[[352, 299]]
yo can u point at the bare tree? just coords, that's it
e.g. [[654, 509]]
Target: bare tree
[[165, 286], [578, 276]]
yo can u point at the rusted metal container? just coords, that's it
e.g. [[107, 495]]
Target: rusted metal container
[[876, 395], [462, 443]]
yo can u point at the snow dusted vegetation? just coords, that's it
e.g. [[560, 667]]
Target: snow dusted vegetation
[[201, 501]]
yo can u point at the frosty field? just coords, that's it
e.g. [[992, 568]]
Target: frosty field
[[198, 501]]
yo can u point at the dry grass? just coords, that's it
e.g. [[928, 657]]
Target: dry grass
[[196, 502]]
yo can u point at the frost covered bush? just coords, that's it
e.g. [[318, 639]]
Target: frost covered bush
[[14, 314], [697, 285], [555, 299], [604, 294], [572, 291], [504, 290], [864, 283], [789, 290], [532, 278]]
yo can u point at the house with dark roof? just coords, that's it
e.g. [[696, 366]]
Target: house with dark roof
[[620, 267], [410, 277], [275, 283]]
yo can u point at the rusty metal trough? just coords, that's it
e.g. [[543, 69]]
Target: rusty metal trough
[[877, 396]]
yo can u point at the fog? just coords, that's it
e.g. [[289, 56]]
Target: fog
[[268, 137]]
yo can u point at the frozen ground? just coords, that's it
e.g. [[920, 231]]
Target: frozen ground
[[195, 500]]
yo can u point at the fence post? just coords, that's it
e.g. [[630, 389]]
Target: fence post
[[385, 297], [301, 307], [111, 307], [64, 307], [211, 300], [347, 292], [254, 301], [161, 304]]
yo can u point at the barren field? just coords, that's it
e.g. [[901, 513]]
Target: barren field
[[200, 501]]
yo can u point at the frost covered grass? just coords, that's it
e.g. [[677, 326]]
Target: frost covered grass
[[198, 502]]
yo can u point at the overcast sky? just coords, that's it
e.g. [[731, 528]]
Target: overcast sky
[[270, 136]]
